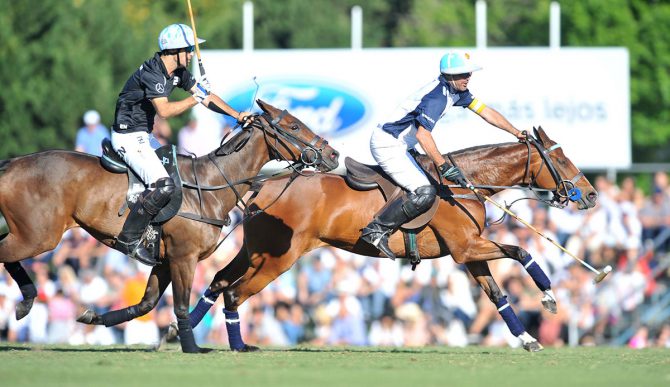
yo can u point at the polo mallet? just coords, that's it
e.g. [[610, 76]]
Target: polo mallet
[[600, 275], [195, 38]]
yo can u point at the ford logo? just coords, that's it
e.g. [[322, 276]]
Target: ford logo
[[330, 110]]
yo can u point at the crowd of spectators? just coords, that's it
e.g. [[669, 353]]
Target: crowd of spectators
[[332, 297]]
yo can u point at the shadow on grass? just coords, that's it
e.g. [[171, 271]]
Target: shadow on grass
[[7, 348], [444, 351]]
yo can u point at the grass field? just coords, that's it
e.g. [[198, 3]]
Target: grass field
[[22, 365]]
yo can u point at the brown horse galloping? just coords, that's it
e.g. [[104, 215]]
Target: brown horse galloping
[[43, 194], [323, 210]]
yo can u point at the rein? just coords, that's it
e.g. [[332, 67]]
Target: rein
[[311, 155], [565, 190]]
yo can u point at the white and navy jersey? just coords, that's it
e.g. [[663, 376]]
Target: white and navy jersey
[[134, 110], [425, 107]]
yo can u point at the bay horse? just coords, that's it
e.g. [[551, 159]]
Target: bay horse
[[46, 193], [323, 210]]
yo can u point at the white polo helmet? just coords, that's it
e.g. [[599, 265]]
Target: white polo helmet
[[176, 36], [457, 63]]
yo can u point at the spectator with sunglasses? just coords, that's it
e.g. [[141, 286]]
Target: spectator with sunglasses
[[144, 95]]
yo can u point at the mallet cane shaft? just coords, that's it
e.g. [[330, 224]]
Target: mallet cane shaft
[[600, 275], [195, 38]]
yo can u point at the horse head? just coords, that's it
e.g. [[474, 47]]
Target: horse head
[[560, 175], [290, 139]]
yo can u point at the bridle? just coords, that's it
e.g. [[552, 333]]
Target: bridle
[[311, 153], [566, 190]]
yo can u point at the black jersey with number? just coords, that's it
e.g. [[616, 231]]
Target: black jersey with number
[[134, 110]]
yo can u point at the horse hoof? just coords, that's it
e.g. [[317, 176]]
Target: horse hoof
[[172, 333], [549, 304], [533, 346], [23, 308], [88, 317], [247, 348]]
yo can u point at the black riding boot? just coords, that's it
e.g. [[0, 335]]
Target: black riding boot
[[397, 213], [128, 242], [146, 208]]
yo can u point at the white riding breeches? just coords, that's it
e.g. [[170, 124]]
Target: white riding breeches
[[392, 155], [136, 151]]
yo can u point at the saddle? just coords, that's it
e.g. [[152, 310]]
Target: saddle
[[363, 177], [112, 162]]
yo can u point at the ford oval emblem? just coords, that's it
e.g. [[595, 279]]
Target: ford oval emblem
[[329, 110]]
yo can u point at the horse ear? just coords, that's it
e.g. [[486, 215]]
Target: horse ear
[[542, 135], [263, 105], [535, 134]]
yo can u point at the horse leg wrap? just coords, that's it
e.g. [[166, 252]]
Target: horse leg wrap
[[510, 318], [116, 317], [536, 273], [233, 327], [18, 274], [186, 337], [204, 305]]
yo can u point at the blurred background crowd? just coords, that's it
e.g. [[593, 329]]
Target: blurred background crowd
[[332, 297]]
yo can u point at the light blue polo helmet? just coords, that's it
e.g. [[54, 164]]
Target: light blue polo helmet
[[176, 36], [453, 63]]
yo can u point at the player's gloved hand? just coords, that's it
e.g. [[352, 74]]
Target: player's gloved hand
[[453, 173], [202, 89]]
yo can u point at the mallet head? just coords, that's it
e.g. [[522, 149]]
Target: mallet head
[[602, 274]]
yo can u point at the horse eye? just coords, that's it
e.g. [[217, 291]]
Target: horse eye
[[294, 126]]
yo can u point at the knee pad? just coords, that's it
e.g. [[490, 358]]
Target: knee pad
[[420, 200], [165, 185], [158, 198]]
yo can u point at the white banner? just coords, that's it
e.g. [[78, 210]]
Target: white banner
[[579, 96]]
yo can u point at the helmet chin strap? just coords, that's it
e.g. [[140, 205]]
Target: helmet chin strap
[[451, 81]]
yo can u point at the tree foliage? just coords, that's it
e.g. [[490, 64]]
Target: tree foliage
[[62, 57]]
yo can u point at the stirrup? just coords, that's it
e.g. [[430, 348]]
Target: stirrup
[[137, 251], [379, 240]]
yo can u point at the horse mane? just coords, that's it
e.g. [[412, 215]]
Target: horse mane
[[234, 144], [478, 148], [4, 164]]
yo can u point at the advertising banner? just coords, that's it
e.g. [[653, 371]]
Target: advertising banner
[[579, 96]]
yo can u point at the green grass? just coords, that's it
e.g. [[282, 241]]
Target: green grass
[[22, 365]]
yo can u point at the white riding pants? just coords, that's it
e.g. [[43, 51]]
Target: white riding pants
[[136, 151], [392, 155]]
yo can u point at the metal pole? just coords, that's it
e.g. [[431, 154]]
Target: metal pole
[[480, 18], [248, 26], [555, 25], [356, 27]]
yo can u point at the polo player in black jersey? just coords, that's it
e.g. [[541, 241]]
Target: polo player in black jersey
[[144, 95]]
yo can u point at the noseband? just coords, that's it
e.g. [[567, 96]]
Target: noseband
[[311, 153], [566, 190]]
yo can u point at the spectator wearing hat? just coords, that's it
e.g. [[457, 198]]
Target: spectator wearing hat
[[90, 136]]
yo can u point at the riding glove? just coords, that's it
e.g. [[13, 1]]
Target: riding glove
[[453, 173], [202, 89]]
